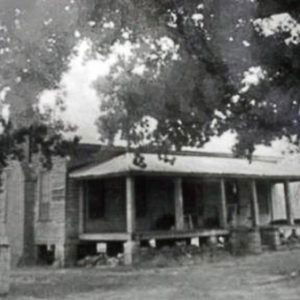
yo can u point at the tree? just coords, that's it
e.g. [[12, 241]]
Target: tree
[[229, 74], [188, 95], [34, 50], [198, 67], [37, 40]]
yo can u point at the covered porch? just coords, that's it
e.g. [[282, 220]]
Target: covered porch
[[142, 208], [197, 197]]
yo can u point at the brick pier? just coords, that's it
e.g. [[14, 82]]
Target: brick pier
[[4, 266]]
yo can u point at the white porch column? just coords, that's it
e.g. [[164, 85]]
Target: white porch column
[[255, 208], [288, 203], [130, 204], [179, 217], [223, 205], [81, 207], [130, 247], [271, 199]]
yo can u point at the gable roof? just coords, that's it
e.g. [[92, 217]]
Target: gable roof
[[190, 165]]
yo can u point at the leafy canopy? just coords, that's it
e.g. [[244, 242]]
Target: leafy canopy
[[198, 68]]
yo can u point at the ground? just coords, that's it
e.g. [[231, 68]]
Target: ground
[[272, 275]]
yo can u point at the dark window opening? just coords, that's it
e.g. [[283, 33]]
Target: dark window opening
[[95, 199], [141, 197], [190, 198], [263, 194]]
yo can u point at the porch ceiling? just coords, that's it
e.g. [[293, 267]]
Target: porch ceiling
[[196, 166]]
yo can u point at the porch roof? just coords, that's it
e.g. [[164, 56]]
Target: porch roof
[[197, 166]]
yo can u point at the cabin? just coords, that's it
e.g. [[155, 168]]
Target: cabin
[[197, 196], [104, 197]]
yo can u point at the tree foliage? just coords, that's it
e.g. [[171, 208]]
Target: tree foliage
[[36, 44], [189, 95], [186, 64], [210, 88]]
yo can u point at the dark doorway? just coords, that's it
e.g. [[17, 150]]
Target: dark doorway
[[232, 198]]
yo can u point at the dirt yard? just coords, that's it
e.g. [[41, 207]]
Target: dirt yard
[[268, 276]]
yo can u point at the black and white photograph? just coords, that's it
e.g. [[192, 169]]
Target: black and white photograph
[[149, 149]]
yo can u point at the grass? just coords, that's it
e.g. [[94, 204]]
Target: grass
[[273, 275]]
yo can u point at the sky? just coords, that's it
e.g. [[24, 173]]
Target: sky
[[81, 100]]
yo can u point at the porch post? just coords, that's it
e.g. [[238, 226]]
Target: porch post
[[255, 209], [288, 203], [271, 197], [223, 213], [179, 217], [130, 205], [130, 246], [81, 207]]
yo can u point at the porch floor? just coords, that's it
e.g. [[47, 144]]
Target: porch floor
[[172, 234], [158, 235], [103, 237]]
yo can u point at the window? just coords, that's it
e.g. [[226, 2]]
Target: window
[[141, 197], [263, 194], [95, 199], [190, 197]]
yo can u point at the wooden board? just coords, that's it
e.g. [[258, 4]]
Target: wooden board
[[180, 234]]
